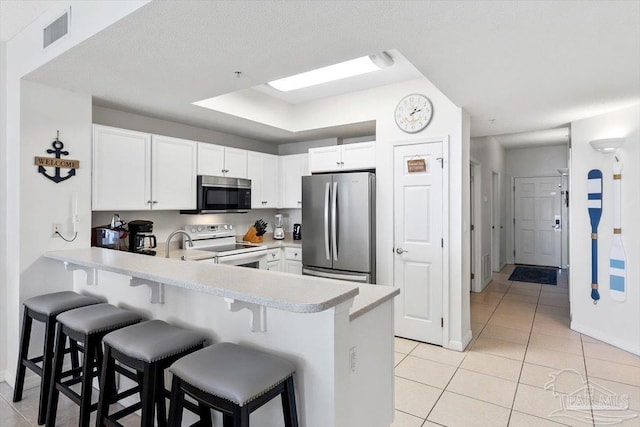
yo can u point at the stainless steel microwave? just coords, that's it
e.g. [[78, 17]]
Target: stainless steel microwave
[[217, 194]]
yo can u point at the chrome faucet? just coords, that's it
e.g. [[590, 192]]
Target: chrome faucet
[[166, 245]]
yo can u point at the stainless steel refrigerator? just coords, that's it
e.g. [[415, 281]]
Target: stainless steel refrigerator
[[338, 217]]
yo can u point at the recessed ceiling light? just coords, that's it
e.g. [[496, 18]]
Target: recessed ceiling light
[[353, 67]]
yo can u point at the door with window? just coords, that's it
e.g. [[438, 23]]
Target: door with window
[[418, 234]]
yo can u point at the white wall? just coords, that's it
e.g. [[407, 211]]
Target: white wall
[[24, 54], [46, 202], [125, 120], [489, 154], [617, 323], [3, 216], [529, 162]]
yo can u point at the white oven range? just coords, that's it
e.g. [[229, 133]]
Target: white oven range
[[220, 240]]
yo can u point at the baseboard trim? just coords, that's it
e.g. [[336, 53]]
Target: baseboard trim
[[601, 336], [3, 376], [460, 345]]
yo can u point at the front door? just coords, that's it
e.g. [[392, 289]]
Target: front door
[[538, 228], [418, 252]]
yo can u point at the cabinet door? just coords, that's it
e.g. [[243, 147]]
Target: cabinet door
[[173, 182], [235, 162], [210, 159], [324, 159], [274, 266], [358, 156], [294, 267], [270, 180], [292, 168], [254, 173], [121, 169]]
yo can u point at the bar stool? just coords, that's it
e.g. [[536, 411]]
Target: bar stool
[[45, 308], [234, 380], [149, 348], [86, 325]]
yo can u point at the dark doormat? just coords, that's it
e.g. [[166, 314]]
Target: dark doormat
[[543, 275]]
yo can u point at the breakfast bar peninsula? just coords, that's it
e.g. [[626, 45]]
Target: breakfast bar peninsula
[[338, 335]]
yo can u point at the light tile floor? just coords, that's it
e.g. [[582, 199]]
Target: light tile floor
[[521, 366]]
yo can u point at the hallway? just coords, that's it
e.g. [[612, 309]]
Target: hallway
[[521, 337]]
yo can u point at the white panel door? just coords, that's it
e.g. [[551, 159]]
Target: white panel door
[[418, 234], [121, 177], [174, 164], [538, 231], [210, 159]]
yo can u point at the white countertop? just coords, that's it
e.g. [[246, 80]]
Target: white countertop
[[289, 292]]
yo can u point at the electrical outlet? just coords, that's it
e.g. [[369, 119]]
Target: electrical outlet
[[352, 359], [55, 229]]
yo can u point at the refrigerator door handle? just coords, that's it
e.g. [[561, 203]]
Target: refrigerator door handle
[[326, 221], [334, 221], [363, 278]]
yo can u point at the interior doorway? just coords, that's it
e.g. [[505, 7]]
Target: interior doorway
[[477, 277]]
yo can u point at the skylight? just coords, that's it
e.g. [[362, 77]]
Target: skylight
[[342, 70]]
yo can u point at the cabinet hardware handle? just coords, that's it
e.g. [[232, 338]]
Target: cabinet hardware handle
[[154, 202], [338, 163], [148, 202], [299, 202]]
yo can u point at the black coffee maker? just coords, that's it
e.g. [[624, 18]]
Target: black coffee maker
[[141, 240]]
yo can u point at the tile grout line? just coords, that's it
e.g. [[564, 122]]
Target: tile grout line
[[586, 374], [515, 394]]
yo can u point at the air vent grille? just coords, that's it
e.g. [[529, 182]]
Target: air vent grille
[[56, 30]]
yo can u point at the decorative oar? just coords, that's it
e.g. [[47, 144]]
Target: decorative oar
[[617, 261], [594, 204]]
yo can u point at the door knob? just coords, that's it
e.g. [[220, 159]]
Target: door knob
[[400, 251]]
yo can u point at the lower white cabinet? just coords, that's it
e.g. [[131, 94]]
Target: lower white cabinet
[[293, 260], [274, 259]]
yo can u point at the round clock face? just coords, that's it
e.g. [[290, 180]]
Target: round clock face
[[413, 113]]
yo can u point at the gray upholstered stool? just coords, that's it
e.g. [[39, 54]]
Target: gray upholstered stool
[[149, 348], [234, 380], [45, 308], [86, 325]]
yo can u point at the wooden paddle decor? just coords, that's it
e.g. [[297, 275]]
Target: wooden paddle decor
[[594, 205], [617, 260]]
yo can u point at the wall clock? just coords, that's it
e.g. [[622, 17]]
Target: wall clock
[[413, 113]]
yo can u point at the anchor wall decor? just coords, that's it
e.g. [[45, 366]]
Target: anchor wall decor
[[57, 162]]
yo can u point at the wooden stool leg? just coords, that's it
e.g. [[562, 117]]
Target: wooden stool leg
[[106, 386], [56, 374], [205, 415], [289, 404], [87, 377], [227, 420], [147, 396], [75, 361], [47, 364], [176, 403], [243, 419], [22, 355], [161, 399]]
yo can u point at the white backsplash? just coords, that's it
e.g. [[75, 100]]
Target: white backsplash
[[165, 222]]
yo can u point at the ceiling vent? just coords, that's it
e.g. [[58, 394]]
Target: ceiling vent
[[56, 30]]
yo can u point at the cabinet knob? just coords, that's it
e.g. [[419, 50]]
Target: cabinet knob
[[148, 202], [299, 202], [338, 163], [154, 202]]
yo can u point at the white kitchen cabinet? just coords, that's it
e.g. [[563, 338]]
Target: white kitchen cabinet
[[138, 171], [292, 169], [293, 260], [216, 160], [345, 157], [263, 172], [274, 259]]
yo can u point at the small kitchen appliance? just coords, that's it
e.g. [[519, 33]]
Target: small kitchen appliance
[[278, 227], [220, 241], [216, 194], [297, 232], [141, 240]]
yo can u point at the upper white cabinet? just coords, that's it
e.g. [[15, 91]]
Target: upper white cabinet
[[216, 160], [263, 173], [292, 169], [138, 171], [356, 156]]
